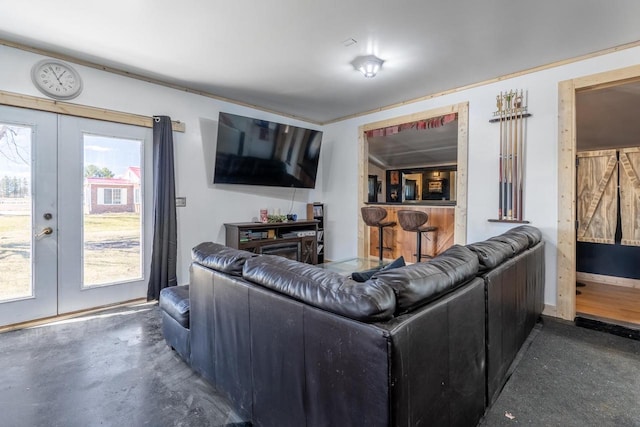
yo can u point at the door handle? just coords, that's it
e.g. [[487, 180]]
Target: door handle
[[45, 231]]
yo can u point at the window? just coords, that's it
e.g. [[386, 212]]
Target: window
[[112, 196], [113, 228]]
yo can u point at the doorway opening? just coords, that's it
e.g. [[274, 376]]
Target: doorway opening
[[596, 217], [460, 209], [608, 236], [73, 221]]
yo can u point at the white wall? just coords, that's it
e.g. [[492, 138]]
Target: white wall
[[208, 206], [541, 191]]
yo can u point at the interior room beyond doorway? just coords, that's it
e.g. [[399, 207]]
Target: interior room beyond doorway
[[608, 234], [458, 206]]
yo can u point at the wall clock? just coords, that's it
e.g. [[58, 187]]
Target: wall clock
[[56, 79]]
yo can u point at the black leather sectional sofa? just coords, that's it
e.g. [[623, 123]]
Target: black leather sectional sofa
[[292, 344]]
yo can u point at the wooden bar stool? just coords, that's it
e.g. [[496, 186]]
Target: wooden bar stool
[[373, 216], [415, 221]]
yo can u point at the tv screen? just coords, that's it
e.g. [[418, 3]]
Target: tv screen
[[259, 152]]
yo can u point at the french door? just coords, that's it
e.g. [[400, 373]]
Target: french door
[[74, 216]]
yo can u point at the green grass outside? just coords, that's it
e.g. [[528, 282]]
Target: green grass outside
[[111, 252]]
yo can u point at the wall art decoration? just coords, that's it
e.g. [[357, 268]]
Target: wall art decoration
[[511, 114]]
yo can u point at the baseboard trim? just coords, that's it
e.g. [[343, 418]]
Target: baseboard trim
[[608, 280], [550, 310], [44, 321]]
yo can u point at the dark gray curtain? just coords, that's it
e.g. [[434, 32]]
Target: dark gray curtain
[[163, 257]]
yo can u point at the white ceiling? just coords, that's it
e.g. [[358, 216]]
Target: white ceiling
[[288, 55], [414, 148]]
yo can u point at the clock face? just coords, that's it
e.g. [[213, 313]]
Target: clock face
[[56, 79]]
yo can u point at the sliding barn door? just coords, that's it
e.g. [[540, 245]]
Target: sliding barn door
[[630, 195], [597, 196]]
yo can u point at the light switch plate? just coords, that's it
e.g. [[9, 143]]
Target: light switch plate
[[181, 202]]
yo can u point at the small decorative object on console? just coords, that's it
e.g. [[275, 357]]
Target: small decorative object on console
[[276, 218]]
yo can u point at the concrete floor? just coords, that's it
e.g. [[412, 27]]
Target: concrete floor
[[114, 369], [572, 377], [109, 369]]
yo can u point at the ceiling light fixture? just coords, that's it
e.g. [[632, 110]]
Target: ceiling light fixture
[[368, 65]]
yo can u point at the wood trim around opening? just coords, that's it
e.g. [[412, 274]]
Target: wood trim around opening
[[59, 107], [460, 231], [566, 248]]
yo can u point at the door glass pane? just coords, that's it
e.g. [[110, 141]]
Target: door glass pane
[[15, 212], [112, 250]]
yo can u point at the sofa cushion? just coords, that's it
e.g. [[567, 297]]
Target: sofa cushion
[[321, 288], [363, 276], [220, 258], [533, 234], [175, 302], [420, 283], [491, 253]]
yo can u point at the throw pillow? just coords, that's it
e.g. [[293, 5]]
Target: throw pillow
[[363, 276]]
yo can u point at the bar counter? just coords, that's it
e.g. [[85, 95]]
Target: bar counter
[[403, 243], [451, 203]]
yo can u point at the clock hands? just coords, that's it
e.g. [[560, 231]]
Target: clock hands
[[55, 75], [58, 76], [52, 70]]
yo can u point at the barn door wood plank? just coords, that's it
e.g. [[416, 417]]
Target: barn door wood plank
[[630, 196], [597, 181]]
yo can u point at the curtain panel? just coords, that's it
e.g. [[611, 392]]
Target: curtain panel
[[164, 254]]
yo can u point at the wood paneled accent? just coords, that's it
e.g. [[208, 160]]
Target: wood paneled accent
[[630, 195], [597, 196], [566, 253], [403, 243]]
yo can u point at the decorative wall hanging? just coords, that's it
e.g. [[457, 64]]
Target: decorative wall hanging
[[511, 114], [431, 123]]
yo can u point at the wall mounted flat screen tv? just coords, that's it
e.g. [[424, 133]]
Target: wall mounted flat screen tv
[[259, 152]]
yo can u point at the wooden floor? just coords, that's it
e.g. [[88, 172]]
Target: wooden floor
[[617, 304]]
